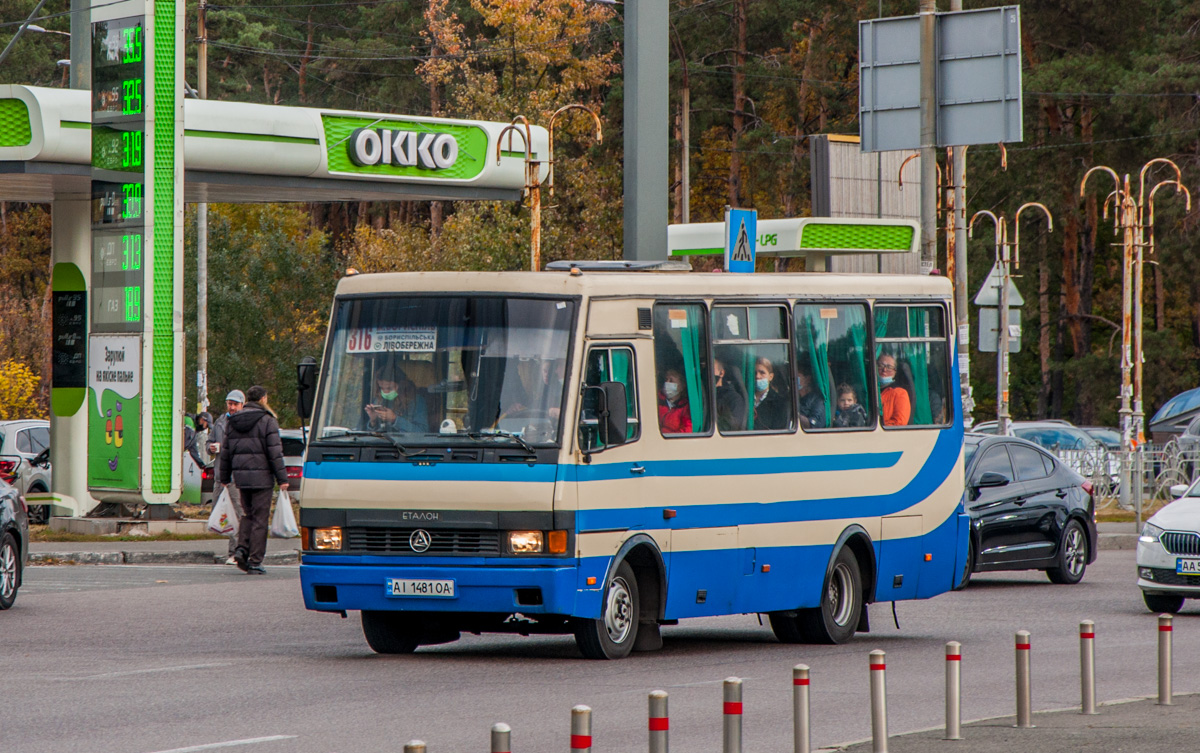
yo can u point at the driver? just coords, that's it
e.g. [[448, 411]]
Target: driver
[[399, 407]]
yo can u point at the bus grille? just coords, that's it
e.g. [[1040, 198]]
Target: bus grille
[[1181, 543], [443, 541]]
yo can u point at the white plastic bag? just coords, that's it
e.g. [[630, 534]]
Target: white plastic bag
[[223, 519], [283, 522]]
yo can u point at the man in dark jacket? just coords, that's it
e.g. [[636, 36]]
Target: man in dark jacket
[[252, 458]]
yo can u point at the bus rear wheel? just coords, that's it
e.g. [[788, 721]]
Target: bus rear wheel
[[613, 635], [836, 620]]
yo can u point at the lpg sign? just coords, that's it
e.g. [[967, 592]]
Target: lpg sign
[[431, 151]]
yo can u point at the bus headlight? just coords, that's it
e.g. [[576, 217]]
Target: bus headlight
[[327, 538], [526, 542]]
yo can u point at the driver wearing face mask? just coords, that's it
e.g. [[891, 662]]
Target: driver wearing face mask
[[674, 416], [400, 407]]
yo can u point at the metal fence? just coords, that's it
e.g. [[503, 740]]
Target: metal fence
[[1151, 469]]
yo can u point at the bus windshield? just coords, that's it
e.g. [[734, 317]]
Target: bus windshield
[[422, 370]]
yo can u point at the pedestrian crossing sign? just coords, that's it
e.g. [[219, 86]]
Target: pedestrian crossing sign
[[741, 231]]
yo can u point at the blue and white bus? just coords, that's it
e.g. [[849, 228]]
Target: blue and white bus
[[600, 453]]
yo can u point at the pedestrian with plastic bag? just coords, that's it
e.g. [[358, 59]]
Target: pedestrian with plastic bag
[[252, 459], [216, 438], [283, 522]]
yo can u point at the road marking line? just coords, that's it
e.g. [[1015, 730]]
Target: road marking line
[[144, 672], [229, 744]]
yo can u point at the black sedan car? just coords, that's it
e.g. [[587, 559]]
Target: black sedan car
[[14, 542], [1028, 510]]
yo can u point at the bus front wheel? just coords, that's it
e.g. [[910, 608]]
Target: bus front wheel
[[391, 632], [841, 608], [613, 635]]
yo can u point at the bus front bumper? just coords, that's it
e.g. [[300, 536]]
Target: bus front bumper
[[339, 583]]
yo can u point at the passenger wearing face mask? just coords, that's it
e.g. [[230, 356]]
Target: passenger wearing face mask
[[674, 415], [731, 398], [897, 408], [401, 408], [811, 406], [770, 408]]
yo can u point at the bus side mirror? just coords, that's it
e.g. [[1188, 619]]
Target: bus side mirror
[[306, 386], [614, 418]]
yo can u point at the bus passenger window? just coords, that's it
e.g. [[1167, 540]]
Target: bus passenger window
[[608, 365], [912, 354], [831, 366], [753, 366], [681, 368]]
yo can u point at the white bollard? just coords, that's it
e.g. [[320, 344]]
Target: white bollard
[[953, 691], [879, 733], [501, 738], [581, 729], [660, 723], [414, 746], [1024, 697], [1164, 660], [801, 731], [1087, 667], [732, 741]]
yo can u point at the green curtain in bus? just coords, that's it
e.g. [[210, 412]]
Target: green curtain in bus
[[815, 338], [848, 349], [917, 355], [623, 373], [692, 342]]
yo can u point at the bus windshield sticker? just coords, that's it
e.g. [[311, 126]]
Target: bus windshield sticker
[[731, 324], [678, 318], [829, 314], [422, 340]]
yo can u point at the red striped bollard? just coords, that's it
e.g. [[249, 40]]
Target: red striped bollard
[[733, 715], [954, 691], [803, 736], [879, 732], [581, 729], [1087, 667], [660, 723], [1164, 660], [501, 738], [1024, 697]]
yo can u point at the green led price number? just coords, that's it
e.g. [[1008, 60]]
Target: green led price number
[[132, 207], [131, 148], [131, 97], [131, 252], [133, 304], [131, 45]]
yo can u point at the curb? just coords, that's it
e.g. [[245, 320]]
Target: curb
[[151, 558], [1109, 541]]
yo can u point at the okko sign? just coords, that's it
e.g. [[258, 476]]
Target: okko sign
[[381, 146], [741, 230]]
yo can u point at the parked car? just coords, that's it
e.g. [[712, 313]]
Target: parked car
[[1168, 552], [1028, 510], [1070, 444], [25, 459], [14, 542], [1107, 436], [293, 457], [1173, 418]]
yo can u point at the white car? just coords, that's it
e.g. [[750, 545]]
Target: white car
[[1168, 552]]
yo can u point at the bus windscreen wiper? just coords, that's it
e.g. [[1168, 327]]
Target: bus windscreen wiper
[[502, 433], [360, 433]]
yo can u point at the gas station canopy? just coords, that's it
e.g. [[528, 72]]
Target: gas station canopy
[[238, 153]]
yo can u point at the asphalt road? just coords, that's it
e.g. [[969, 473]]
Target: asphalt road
[[152, 659]]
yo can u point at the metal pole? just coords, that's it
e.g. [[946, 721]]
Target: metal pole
[[953, 691], [928, 17], [12, 42], [581, 729], [81, 44], [414, 746], [535, 220], [202, 225], [962, 313], [1024, 699], [1164, 660], [1002, 331], [1138, 347], [800, 709], [879, 733], [685, 165], [660, 723], [1128, 219], [647, 127], [501, 738], [1087, 667], [732, 738]]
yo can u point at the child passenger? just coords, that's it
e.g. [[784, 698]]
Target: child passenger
[[849, 412]]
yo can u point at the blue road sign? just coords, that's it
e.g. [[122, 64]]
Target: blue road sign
[[741, 233]]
